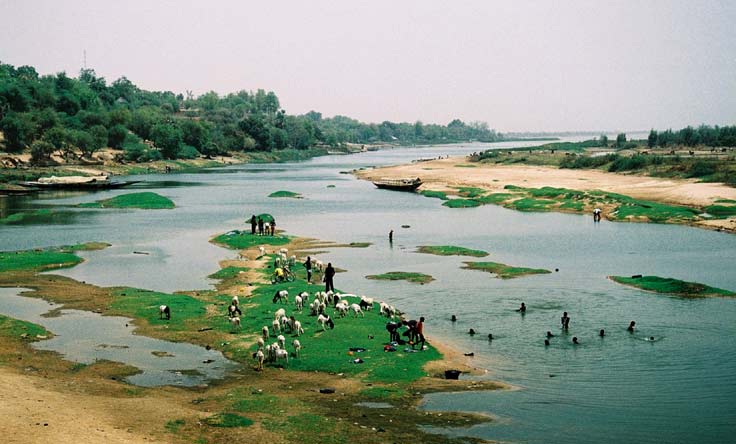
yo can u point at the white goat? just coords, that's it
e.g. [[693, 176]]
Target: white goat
[[282, 341], [284, 251], [342, 309], [356, 309], [366, 303], [276, 325], [261, 250], [319, 265], [235, 323], [264, 333], [260, 343], [298, 303], [260, 358], [284, 322], [298, 328], [236, 301], [281, 354], [314, 307], [164, 311], [324, 321], [292, 260], [279, 313], [297, 346], [305, 296], [281, 296]]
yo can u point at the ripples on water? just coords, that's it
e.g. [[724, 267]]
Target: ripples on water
[[680, 388]]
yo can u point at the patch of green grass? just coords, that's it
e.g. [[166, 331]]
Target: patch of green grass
[[227, 273], [239, 240], [174, 425], [436, 194], [495, 198], [530, 204], [282, 193], [470, 192], [330, 186], [267, 218], [418, 278], [726, 201], [259, 402], [450, 250], [461, 203], [721, 210], [655, 212], [143, 304], [466, 165], [359, 244], [571, 205], [672, 286], [503, 271], [145, 200], [43, 259], [14, 328], [227, 420]]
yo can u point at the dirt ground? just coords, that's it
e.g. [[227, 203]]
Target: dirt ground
[[442, 175]]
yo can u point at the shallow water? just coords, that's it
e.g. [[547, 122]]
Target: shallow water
[[679, 388], [86, 337]]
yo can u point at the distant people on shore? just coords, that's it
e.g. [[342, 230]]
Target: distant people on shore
[[260, 226], [393, 331], [565, 321], [419, 332], [253, 224], [308, 267], [273, 226]]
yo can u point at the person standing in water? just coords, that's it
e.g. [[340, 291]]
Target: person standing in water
[[329, 274], [522, 309], [391, 236], [565, 320], [631, 327]]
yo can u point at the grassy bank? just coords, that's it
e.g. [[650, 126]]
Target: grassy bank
[[240, 240], [417, 278], [145, 200], [450, 250], [672, 286], [503, 271], [45, 258]]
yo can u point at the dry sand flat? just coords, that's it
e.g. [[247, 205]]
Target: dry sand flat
[[444, 174]]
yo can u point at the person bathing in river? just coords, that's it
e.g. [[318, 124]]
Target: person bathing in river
[[522, 309], [550, 335], [631, 327], [391, 236]]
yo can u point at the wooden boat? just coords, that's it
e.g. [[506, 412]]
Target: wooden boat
[[398, 184], [77, 183]]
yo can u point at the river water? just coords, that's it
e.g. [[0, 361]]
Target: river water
[[679, 388]]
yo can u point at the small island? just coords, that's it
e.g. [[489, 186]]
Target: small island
[[450, 250], [417, 278], [146, 201], [503, 271], [290, 194], [671, 286]]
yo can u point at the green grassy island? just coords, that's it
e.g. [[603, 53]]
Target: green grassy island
[[672, 286], [44, 259], [417, 278], [145, 200], [450, 250], [503, 271], [283, 193]]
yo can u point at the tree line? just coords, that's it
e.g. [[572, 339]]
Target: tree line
[[66, 115]]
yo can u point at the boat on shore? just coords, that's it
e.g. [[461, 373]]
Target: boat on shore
[[398, 184], [77, 183]]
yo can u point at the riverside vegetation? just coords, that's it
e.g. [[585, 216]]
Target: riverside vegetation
[[671, 286]]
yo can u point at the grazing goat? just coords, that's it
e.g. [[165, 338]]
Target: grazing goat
[[260, 343], [305, 297], [325, 320], [281, 354], [366, 303], [342, 309], [356, 309], [284, 251], [235, 301], [261, 250], [285, 323], [319, 265], [276, 325], [297, 346], [264, 333], [235, 322], [298, 303], [298, 328], [259, 358], [282, 341], [164, 310], [314, 307], [292, 260], [279, 313], [281, 296]]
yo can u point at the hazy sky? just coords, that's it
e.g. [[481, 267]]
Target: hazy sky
[[518, 65]]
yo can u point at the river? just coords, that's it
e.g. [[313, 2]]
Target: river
[[679, 388]]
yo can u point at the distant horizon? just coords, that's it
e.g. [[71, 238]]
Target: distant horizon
[[519, 66]]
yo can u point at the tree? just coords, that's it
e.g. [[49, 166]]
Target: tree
[[84, 141], [58, 137], [167, 139], [652, 139], [603, 140], [196, 134], [41, 152], [18, 129], [620, 140], [255, 127], [116, 136], [99, 137]]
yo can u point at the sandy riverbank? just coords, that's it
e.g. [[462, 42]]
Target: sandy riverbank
[[446, 174]]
